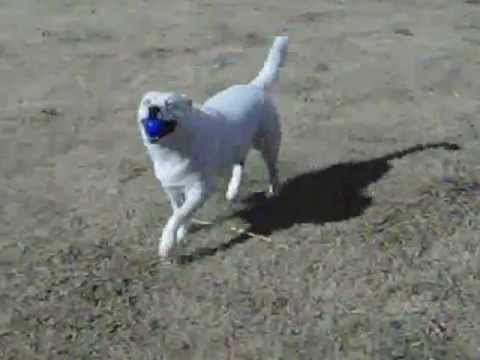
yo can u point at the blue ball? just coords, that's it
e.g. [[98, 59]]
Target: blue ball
[[154, 127]]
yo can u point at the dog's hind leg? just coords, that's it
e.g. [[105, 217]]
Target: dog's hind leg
[[235, 181], [269, 147]]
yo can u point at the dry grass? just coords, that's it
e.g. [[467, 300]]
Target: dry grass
[[403, 285], [374, 253]]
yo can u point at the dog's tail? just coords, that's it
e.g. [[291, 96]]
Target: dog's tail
[[267, 77]]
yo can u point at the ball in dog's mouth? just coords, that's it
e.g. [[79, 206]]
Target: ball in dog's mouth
[[155, 127]]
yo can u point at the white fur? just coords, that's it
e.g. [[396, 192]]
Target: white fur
[[212, 137]]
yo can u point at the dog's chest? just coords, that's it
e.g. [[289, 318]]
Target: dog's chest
[[170, 167]]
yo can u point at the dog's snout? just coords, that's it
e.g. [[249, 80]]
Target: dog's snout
[[153, 111]]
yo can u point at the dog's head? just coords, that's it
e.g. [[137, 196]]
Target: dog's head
[[160, 113]]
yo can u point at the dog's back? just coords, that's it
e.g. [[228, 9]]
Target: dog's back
[[241, 101], [245, 113], [240, 104]]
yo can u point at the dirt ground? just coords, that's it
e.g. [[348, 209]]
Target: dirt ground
[[372, 248]]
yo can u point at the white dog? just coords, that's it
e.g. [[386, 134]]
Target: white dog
[[189, 145]]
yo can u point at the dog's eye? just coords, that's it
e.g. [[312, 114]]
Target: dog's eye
[[147, 102]]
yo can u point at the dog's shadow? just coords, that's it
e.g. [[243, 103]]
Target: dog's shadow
[[327, 195]]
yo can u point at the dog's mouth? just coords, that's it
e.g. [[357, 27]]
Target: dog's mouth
[[156, 127], [166, 128]]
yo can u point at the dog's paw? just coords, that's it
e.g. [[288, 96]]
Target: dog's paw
[[230, 197], [232, 193], [182, 233], [166, 245], [273, 190], [163, 251]]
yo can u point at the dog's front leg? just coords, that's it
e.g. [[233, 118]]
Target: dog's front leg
[[177, 198], [195, 196]]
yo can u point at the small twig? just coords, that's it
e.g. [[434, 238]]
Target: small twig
[[237, 230], [201, 222], [249, 233]]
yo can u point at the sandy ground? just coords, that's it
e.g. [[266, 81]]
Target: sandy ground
[[374, 243]]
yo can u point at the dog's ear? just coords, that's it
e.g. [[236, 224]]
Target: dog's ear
[[179, 104]]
